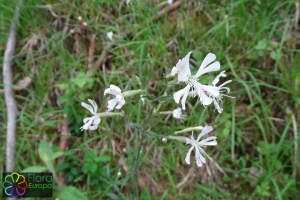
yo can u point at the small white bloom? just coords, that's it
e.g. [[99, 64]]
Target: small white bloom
[[119, 101], [84, 24], [119, 174], [142, 99], [170, 2], [177, 113], [206, 93], [197, 146], [110, 35], [91, 123]]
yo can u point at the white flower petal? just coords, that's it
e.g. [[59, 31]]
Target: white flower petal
[[112, 104], [97, 119], [183, 100], [188, 155], [225, 83], [183, 67], [205, 100], [174, 71], [217, 106], [94, 104], [211, 68], [113, 90], [211, 90], [88, 121], [88, 107], [205, 130], [199, 157], [180, 93], [210, 141], [177, 113], [209, 58], [110, 35], [217, 79]]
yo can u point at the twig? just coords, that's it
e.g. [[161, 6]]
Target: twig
[[295, 140], [169, 8], [297, 14], [63, 144], [101, 59], [91, 53], [48, 7], [9, 93], [186, 178]]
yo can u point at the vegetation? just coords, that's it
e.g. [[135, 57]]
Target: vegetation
[[257, 43]]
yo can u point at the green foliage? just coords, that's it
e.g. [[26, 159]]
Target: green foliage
[[256, 43], [71, 193]]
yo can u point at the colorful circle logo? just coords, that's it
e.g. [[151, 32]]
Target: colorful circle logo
[[15, 185]]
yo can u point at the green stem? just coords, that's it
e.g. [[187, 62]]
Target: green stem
[[110, 114], [165, 112], [140, 148], [179, 138], [132, 92], [197, 128]]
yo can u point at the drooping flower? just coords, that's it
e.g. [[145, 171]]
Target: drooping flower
[[206, 93], [197, 145], [117, 102], [91, 123], [177, 113]]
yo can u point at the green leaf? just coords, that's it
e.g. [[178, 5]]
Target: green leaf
[[275, 55], [262, 45], [45, 151], [81, 80], [56, 155], [135, 80], [226, 132], [73, 193], [104, 158], [36, 169]]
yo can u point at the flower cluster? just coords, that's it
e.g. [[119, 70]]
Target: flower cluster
[[91, 123], [207, 94]]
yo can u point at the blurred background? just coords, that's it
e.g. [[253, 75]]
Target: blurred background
[[65, 54]]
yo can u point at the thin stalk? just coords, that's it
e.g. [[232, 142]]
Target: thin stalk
[[145, 125]]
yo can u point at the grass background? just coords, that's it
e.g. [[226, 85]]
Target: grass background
[[257, 43]]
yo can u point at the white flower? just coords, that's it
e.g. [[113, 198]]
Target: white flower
[[118, 102], [110, 35], [206, 93], [91, 123], [197, 146], [170, 2], [142, 99], [218, 99], [177, 113]]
